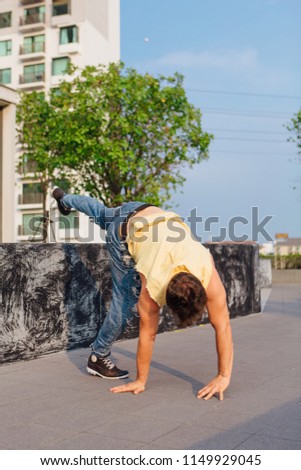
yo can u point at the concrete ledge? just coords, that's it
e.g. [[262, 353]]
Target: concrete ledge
[[265, 272], [286, 276], [55, 296]]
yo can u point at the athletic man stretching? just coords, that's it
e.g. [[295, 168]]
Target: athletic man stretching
[[154, 261]]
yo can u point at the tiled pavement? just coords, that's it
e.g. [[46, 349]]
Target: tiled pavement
[[52, 403]]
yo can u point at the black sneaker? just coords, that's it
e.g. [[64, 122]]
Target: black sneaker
[[104, 367], [58, 193]]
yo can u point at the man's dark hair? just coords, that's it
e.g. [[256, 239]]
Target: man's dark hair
[[186, 297]]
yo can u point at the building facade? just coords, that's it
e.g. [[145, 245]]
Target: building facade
[[8, 99], [37, 40], [289, 246]]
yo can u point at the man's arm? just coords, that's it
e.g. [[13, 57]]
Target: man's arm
[[219, 319], [148, 327]]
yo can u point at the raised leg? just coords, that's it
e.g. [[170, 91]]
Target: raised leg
[[100, 214]]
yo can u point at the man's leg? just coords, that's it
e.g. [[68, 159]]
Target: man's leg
[[126, 290], [98, 212], [89, 206]]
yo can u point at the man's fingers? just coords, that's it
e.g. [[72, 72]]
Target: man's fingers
[[208, 391], [203, 391], [221, 395], [121, 388], [210, 394], [130, 387]]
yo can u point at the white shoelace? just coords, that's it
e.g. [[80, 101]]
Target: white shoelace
[[107, 361]]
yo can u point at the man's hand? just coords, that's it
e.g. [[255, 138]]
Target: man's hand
[[135, 387], [217, 385]]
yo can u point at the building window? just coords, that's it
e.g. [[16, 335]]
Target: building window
[[31, 224], [5, 19], [5, 76], [32, 193], [69, 221], [60, 7], [60, 65], [34, 44], [5, 47], [34, 73], [68, 34], [34, 15]]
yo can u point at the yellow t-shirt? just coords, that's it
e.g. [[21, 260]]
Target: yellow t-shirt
[[162, 245]]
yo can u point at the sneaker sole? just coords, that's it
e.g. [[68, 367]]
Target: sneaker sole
[[97, 374]]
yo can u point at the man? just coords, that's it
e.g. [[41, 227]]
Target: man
[[154, 260]]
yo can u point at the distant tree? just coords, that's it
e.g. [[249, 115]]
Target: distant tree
[[114, 133], [295, 128]]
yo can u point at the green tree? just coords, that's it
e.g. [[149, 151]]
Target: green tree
[[114, 133], [295, 128], [34, 119]]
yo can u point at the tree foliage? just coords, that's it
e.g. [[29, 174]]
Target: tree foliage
[[295, 128], [114, 133]]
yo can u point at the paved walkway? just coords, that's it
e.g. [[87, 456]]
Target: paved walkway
[[52, 403]]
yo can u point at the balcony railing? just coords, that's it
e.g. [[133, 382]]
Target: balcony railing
[[31, 2], [32, 77], [32, 19], [28, 167], [32, 48], [30, 198]]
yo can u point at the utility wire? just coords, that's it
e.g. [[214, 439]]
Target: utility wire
[[253, 153], [270, 114], [247, 131], [261, 95], [251, 140]]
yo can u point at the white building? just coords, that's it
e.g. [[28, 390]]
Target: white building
[[37, 39], [289, 246], [267, 248], [7, 164]]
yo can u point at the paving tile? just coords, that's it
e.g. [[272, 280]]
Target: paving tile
[[30, 436], [261, 442], [199, 436], [73, 418], [21, 390], [286, 423], [52, 403], [85, 441], [141, 431], [184, 409]]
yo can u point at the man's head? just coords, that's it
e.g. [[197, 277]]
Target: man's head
[[186, 297]]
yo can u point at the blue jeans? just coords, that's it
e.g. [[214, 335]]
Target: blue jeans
[[125, 279]]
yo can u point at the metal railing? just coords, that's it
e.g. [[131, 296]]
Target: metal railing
[[30, 198], [31, 2], [32, 77], [32, 48], [28, 167], [32, 19]]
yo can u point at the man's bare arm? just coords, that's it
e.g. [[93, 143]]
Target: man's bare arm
[[219, 318], [148, 327]]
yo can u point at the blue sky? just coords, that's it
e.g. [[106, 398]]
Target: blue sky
[[242, 68]]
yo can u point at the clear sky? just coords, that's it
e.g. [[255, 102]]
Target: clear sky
[[242, 67]]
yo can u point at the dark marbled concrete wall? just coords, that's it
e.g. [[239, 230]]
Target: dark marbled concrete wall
[[55, 296]]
